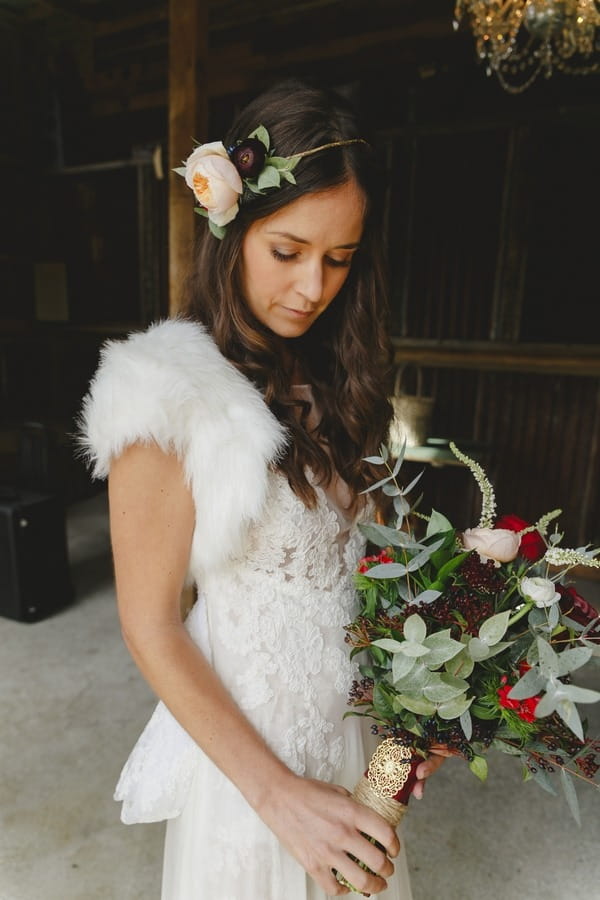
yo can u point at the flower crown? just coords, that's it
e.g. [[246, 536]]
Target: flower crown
[[223, 178]]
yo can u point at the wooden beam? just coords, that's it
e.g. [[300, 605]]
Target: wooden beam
[[541, 359], [188, 115]]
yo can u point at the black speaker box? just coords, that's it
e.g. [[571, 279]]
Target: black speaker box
[[34, 566]]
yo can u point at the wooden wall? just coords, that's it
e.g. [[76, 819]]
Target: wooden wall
[[492, 257]]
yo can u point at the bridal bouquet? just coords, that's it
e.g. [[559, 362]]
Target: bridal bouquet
[[468, 642]]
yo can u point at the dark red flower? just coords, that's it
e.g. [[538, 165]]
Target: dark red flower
[[575, 607], [249, 157], [532, 545], [523, 667]]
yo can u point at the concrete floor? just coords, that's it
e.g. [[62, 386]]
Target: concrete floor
[[72, 705]]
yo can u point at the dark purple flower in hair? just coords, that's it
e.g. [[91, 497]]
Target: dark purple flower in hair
[[248, 157]]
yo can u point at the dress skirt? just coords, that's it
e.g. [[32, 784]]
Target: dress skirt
[[219, 849]]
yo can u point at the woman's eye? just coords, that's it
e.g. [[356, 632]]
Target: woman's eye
[[282, 257], [338, 263]]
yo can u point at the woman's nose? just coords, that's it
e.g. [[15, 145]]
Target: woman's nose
[[310, 282]]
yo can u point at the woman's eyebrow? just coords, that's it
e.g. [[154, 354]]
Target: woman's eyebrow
[[299, 240]]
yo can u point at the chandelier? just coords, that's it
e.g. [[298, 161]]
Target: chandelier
[[521, 39]]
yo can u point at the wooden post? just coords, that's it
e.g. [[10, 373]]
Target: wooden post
[[188, 115]]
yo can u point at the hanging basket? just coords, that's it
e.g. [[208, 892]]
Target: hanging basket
[[412, 413]]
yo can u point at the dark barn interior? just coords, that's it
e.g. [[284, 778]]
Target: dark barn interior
[[491, 220]]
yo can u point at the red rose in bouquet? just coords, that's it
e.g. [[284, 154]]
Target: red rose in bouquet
[[532, 546]]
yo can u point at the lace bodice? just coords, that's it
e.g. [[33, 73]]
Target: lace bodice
[[272, 624], [276, 619]]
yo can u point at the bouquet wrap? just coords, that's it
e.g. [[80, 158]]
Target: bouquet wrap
[[386, 785]]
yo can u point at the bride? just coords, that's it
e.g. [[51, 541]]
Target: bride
[[233, 437]]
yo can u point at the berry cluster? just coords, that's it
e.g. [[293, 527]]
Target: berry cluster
[[458, 607], [482, 576], [361, 691]]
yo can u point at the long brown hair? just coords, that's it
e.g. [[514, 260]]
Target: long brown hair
[[346, 354]]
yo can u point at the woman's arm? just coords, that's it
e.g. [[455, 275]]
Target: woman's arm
[[152, 522]]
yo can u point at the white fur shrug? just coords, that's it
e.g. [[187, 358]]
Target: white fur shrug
[[171, 385]]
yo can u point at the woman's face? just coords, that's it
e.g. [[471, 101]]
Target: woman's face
[[295, 261]]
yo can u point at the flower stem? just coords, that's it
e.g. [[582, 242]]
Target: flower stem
[[519, 615]]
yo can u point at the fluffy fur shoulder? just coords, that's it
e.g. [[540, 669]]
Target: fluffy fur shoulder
[[171, 385]]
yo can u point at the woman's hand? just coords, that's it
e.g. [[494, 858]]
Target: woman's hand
[[436, 757], [320, 824]]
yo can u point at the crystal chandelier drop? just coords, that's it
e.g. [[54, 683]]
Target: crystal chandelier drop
[[521, 39]]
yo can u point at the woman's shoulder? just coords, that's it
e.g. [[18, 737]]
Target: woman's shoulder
[[170, 347], [159, 385]]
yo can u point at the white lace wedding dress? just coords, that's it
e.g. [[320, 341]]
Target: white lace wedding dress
[[271, 622]]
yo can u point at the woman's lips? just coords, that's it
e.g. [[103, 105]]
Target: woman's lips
[[298, 313]]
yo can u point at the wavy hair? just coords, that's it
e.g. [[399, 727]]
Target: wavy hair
[[346, 354]]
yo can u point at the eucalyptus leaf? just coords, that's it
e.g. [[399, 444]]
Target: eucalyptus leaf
[[553, 616], [438, 524], [421, 558], [441, 691], [498, 648], [570, 716], [200, 211], [391, 490], [547, 704], [416, 680], [415, 629], [401, 666], [388, 644], [579, 694], [180, 170], [532, 682], [413, 483], [466, 723], [288, 177], [493, 629], [386, 570], [454, 708], [413, 649], [536, 617], [442, 648], [548, 658], [419, 705], [374, 460], [460, 665], [477, 650], [384, 536], [570, 795], [572, 659], [542, 778], [479, 767]]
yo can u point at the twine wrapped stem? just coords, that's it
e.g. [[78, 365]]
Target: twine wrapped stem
[[385, 788]]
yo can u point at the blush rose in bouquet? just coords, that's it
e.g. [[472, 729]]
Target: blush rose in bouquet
[[468, 642]]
